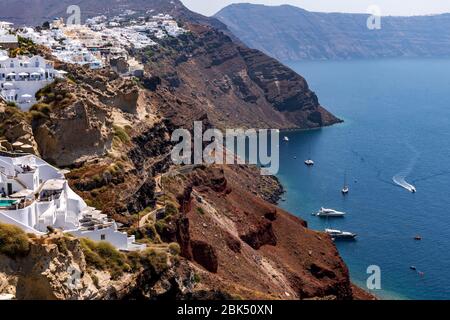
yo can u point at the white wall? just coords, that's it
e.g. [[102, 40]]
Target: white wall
[[29, 179], [116, 238]]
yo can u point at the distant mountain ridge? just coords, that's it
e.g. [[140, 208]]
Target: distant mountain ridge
[[290, 33]]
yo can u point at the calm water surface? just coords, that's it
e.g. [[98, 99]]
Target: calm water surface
[[397, 124]]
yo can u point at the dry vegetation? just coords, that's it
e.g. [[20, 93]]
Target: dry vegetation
[[13, 241]]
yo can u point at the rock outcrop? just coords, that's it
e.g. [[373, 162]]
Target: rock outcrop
[[80, 125], [15, 128]]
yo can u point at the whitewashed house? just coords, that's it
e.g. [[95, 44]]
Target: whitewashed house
[[22, 77], [7, 39], [35, 195]]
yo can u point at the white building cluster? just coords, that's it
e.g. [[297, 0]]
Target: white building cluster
[[22, 77], [35, 195], [7, 39], [100, 40]]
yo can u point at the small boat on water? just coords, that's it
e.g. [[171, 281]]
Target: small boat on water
[[340, 235], [286, 139], [323, 212], [345, 190], [309, 162], [413, 268], [417, 238]]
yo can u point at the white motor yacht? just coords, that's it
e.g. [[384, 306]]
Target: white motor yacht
[[340, 235], [323, 212]]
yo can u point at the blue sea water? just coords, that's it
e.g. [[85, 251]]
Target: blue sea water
[[397, 122]]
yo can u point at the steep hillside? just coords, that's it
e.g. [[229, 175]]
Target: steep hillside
[[231, 84], [291, 34], [250, 247]]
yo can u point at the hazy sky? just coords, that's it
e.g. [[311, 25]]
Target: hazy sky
[[388, 7]]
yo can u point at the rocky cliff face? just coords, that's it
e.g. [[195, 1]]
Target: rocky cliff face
[[15, 127], [289, 33], [233, 85], [249, 247]]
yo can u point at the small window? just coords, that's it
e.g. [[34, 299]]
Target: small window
[[103, 237]]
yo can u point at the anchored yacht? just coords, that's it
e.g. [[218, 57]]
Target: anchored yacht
[[340, 235], [323, 212]]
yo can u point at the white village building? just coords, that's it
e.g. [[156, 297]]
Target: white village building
[[22, 77], [7, 40], [35, 195]]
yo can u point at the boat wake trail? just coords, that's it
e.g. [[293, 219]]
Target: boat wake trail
[[400, 178], [400, 181]]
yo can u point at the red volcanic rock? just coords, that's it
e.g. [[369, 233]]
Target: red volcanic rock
[[233, 243], [258, 234], [205, 255], [250, 248]]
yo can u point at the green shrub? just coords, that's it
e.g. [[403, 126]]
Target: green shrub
[[92, 258], [95, 280], [121, 134], [197, 278], [174, 248], [171, 209], [104, 256], [161, 226], [97, 178], [41, 107], [13, 241], [37, 115], [155, 260]]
